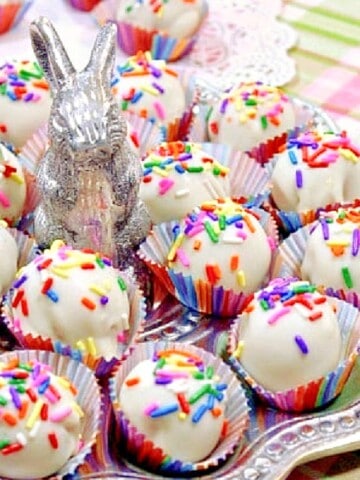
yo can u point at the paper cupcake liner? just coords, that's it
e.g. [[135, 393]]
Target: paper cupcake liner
[[101, 366], [318, 392], [12, 13], [134, 445], [28, 249], [198, 295], [88, 397], [288, 259], [248, 180], [84, 5]]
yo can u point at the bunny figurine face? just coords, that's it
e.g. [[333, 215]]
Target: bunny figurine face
[[89, 177]]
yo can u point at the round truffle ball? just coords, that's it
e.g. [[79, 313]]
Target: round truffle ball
[[12, 186], [9, 258], [250, 114], [289, 335]]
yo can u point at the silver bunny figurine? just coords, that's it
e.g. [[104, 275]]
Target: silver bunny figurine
[[89, 177]]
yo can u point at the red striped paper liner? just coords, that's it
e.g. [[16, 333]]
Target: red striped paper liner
[[88, 397], [142, 451], [84, 5], [320, 391], [12, 13], [101, 366], [198, 295]]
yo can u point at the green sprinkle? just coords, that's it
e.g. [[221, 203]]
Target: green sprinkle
[[264, 305], [342, 214], [3, 401], [222, 222], [211, 232], [264, 122], [128, 9], [124, 105], [209, 372], [208, 114], [188, 148], [198, 169], [16, 381], [3, 89], [304, 289], [347, 277], [160, 363], [26, 74], [100, 262], [198, 376], [153, 163], [216, 171], [20, 389], [250, 102], [199, 393], [121, 284], [4, 443], [24, 366]]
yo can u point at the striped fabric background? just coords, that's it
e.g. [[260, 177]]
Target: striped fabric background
[[327, 57]]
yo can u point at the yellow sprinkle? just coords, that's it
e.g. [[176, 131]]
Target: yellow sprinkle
[[337, 243], [240, 278], [148, 89], [251, 113], [243, 118], [81, 345], [59, 272], [16, 177], [3, 224], [56, 244], [91, 346], [78, 409], [98, 290], [182, 415], [160, 171], [348, 155], [64, 382], [69, 264], [175, 246], [34, 414], [239, 349]]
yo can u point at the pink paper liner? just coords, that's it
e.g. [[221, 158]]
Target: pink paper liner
[[99, 365], [88, 397], [27, 247], [131, 39], [12, 14], [198, 295], [318, 392], [141, 450], [84, 5], [288, 259]]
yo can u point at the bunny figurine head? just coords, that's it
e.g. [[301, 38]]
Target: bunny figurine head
[[89, 177]]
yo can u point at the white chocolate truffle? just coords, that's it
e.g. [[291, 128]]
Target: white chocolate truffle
[[12, 186], [176, 18], [289, 335], [332, 255], [149, 88], [24, 101], [40, 423], [75, 297], [218, 242], [250, 114], [177, 177], [315, 170], [162, 399], [9, 257]]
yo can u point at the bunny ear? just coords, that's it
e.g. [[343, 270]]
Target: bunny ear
[[102, 58], [50, 52]]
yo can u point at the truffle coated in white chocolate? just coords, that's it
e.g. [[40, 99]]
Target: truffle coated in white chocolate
[[158, 398], [40, 427], [289, 335], [12, 186], [250, 114], [177, 177], [8, 259], [24, 103], [75, 297], [149, 88], [176, 18], [315, 170], [224, 244], [332, 255]]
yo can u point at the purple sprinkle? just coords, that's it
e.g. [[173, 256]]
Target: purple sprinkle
[[19, 282], [104, 300], [106, 261], [158, 87], [224, 105], [325, 229], [299, 178], [301, 344], [28, 97], [15, 397], [355, 242], [163, 380], [184, 156]]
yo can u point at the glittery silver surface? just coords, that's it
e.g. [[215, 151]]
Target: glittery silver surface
[[89, 178]]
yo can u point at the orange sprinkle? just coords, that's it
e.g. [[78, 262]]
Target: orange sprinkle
[[41, 84], [315, 316], [130, 382], [319, 300], [249, 309], [171, 72], [337, 250], [9, 418], [234, 262], [88, 303], [23, 409], [275, 121], [216, 412], [11, 364], [174, 351], [249, 223], [197, 245], [225, 428]]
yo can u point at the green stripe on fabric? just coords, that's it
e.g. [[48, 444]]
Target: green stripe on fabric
[[328, 33], [342, 11]]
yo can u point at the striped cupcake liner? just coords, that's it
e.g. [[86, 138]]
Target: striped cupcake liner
[[288, 259], [101, 366], [318, 392], [141, 451], [198, 295], [84, 5], [88, 397]]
